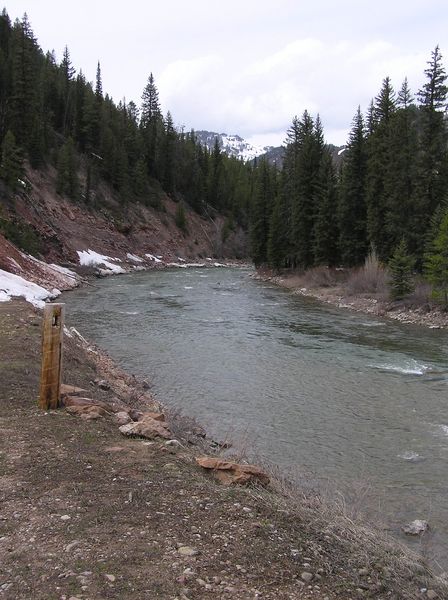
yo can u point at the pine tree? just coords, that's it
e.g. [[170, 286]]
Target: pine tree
[[353, 243], [399, 183], [11, 166], [304, 209], [436, 263], [326, 232], [23, 100], [379, 156], [432, 166], [68, 73], [278, 239], [99, 83], [151, 124], [169, 158], [400, 267], [261, 214], [67, 178]]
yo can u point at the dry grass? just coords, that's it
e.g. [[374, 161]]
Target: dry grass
[[321, 277], [337, 521], [372, 278], [421, 297]]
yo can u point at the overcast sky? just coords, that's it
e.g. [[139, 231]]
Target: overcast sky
[[246, 66]]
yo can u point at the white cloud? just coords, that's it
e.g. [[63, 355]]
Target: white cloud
[[261, 97]]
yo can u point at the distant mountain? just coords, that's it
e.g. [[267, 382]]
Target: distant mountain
[[235, 145], [232, 145]]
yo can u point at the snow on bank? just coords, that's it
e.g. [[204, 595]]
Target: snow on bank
[[133, 258], [15, 286], [156, 259], [90, 258]]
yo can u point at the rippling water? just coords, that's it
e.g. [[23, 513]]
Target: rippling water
[[338, 395]]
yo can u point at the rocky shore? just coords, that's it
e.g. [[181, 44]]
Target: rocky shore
[[340, 297]]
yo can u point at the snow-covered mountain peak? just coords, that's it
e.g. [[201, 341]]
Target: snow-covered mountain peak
[[232, 145]]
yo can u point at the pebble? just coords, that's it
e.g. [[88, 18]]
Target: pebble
[[173, 443], [69, 547], [306, 576], [65, 517], [110, 577], [363, 572], [187, 551]]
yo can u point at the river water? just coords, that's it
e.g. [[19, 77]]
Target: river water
[[344, 399]]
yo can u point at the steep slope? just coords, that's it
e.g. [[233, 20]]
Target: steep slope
[[39, 222]]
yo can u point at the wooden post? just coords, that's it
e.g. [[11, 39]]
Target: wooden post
[[52, 337]]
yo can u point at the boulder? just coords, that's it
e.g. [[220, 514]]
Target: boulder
[[157, 416], [147, 427], [417, 527], [122, 418], [88, 413], [231, 473], [112, 406], [71, 390]]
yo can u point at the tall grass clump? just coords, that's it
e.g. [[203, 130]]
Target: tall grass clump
[[371, 278]]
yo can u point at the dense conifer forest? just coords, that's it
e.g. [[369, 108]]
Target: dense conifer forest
[[389, 193]]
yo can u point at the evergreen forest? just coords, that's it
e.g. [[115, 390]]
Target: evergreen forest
[[389, 192]]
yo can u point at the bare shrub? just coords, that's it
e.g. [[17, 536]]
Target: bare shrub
[[372, 278], [320, 277], [421, 296]]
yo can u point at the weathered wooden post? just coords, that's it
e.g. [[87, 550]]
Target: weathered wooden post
[[52, 337]]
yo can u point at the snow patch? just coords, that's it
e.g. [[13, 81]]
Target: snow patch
[[134, 258], [156, 259], [90, 258], [15, 286], [15, 264], [64, 271]]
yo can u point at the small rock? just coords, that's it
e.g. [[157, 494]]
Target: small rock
[[69, 547], [201, 582], [122, 418], [65, 517], [432, 595], [187, 551], [306, 576], [110, 577], [363, 572], [102, 384], [173, 443], [417, 527]]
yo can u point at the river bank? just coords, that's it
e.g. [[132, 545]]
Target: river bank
[[89, 513], [369, 303]]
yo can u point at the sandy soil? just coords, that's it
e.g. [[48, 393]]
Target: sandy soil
[[88, 513]]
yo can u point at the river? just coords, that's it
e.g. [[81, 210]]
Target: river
[[343, 399]]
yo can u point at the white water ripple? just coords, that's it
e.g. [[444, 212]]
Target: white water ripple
[[410, 367]]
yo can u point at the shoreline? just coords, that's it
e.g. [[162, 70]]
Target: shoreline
[[336, 296]]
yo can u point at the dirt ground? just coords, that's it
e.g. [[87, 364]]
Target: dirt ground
[[87, 513]]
